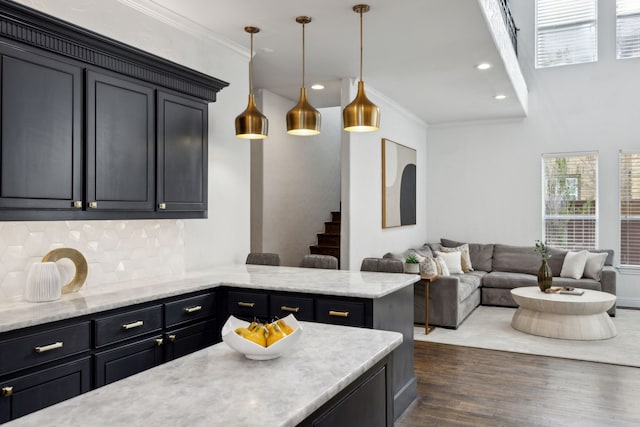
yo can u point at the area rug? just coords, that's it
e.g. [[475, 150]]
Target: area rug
[[490, 328]]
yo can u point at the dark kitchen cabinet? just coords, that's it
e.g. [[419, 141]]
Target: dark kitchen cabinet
[[28, 393], [41, 137], [182, 341], [181, 183], [126, 360], [120, 144]]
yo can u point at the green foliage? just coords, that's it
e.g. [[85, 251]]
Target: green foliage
[[542, 249], [411, 259]]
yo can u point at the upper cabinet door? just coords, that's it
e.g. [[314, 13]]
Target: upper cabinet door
[[182, 154], [41, 132], [120, 144]]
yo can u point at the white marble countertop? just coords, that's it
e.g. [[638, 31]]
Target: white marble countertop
[[219, 387], [20, 314]]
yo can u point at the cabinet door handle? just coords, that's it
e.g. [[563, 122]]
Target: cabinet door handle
[[171, 338], [7, 391], [246, 304], [45, 348], [77, 203], [338, 313], [93, 205], [159, 341], [290, 309], [162, 206], [132, 325], [193, 309]]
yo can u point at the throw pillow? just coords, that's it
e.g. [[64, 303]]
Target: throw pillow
[[465, 258], [452, 260], [443, 270], [573, 265], [428, 267], [595, 264]]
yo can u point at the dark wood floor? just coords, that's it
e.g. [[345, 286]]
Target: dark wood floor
[[463, 386]]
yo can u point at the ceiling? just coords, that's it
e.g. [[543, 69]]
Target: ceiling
[[419, 53]]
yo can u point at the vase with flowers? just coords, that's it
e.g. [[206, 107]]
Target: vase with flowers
[[545, 275]]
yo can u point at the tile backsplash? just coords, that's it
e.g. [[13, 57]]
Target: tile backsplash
[[115, 250]]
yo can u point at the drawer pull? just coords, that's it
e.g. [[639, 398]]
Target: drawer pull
[[193, 309], [159, 341], [338, 313], [132, 325], [93, 205], [7, 391], [171, 338], [246, 304], [45, 348], [290, 309], [77, 203], [162, 206]]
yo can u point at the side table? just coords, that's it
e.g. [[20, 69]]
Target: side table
[[426, 279]]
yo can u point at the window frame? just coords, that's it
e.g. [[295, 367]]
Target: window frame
[[595, 217], [618, 49], [576, 24], [629, 268]]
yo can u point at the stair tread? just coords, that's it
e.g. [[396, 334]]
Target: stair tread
[[325, 246]]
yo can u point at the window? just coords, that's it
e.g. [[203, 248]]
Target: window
[[627, 29], [630, 209], [570, 195], [566, 32]]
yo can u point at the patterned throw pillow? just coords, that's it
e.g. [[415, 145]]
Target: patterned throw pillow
[[428, 267], [464, 257]]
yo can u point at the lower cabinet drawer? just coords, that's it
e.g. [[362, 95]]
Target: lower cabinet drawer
[[29, 393], [41, 347], [120, 362], [129, 324], [182, 341], [283, 305], [187, 309], [339, 312], [248, 305]]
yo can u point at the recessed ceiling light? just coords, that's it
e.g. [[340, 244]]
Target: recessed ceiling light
[[500, 97], [483, 66], [317, 86]]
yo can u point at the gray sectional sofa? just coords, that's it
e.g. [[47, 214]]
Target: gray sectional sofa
[[497, 269]]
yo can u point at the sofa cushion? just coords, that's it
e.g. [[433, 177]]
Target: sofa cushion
[[523, 259], [481, 255], [469, 282], [508, 280], [573, 265], [580, 283]]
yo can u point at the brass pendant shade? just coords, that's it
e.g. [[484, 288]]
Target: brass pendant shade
[[303, 119], [361, 115], [251, 123]]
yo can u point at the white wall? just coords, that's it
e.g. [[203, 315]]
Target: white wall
[[224, 236], [296, 182], [485, 178], [362, 183]]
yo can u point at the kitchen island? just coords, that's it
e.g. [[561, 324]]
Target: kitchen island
[[372, 300], [217, 386]]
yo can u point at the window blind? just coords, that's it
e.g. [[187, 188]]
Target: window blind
[[627, 29], [630, 209], [566, 32], [570, 211]]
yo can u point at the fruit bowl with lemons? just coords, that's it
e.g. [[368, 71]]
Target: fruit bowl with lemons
[[261, 341]]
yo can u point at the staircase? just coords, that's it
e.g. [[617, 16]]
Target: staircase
[[329, 241]]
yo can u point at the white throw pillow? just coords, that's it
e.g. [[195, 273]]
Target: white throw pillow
[[453, 260], [594, 265], [465, 259], [443, 270], [573, 265]]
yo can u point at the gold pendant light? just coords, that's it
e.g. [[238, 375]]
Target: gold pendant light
[[361, 115], [303, 119], [251, 123]]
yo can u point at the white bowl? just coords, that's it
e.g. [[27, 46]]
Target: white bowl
[[255, 351]]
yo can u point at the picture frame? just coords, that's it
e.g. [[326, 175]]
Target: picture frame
[[399, 167]]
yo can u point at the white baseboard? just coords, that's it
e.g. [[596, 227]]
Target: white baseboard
[[628, 302]]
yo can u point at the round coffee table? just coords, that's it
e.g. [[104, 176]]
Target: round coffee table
[[570, 317]]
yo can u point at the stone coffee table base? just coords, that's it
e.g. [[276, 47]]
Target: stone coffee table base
[[573, 317]]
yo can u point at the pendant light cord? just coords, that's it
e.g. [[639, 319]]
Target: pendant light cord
[[251, 67], [303, 54], [360, 44]]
